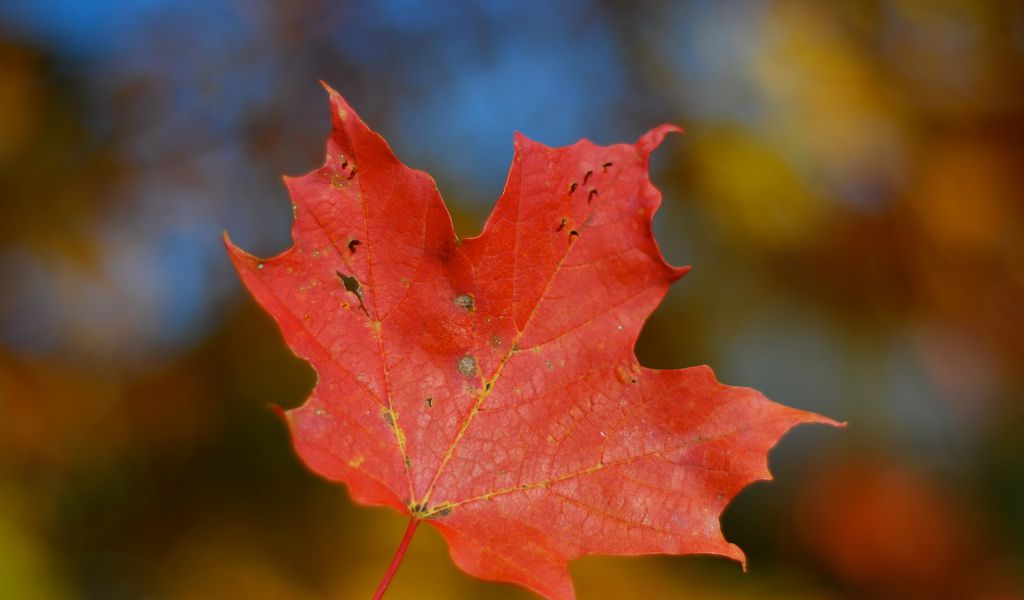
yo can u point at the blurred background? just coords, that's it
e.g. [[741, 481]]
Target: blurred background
[[850, 193]]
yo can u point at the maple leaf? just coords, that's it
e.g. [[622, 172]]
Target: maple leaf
[[488, 386]]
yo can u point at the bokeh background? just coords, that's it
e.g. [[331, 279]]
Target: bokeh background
[[850, 193]]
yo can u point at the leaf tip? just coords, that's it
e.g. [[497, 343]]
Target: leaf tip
[[735, 553], [234, 252], [653, 138], [278, 411], [679, 272], [333, 94], [519, 139], [340, 108], [827, 421]]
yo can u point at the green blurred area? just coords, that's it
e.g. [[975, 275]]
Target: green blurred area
[[850, 193]]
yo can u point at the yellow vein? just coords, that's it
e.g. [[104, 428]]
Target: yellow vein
[[493, 380], [592, 469], [396, 428]]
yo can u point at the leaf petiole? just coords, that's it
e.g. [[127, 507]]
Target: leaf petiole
[[397, 560]]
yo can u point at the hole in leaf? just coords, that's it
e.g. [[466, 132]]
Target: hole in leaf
[[429, 401], [561, 224], [352, 285]]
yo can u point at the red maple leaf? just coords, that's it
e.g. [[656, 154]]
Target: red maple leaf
[[488, 386]]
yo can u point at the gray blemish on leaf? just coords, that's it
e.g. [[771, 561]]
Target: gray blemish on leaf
[[467, 365], [465, 301]]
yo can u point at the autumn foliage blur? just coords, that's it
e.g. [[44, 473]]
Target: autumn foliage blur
[[849, 193]]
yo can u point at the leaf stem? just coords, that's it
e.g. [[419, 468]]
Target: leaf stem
[[397, 560]]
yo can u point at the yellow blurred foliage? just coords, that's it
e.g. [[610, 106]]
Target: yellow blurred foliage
[[755, 196], [25, 571], [826, 104]]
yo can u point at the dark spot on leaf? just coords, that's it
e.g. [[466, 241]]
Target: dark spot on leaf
[[487, 386], [445, 511], [467, 366], [561, 224], [587, 176], [352, 173], [605, 166], [352, 285], [573, 235], [408, 462], [430, 402], [352, 246], [572, 188], [592, 195], [465, 301]]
